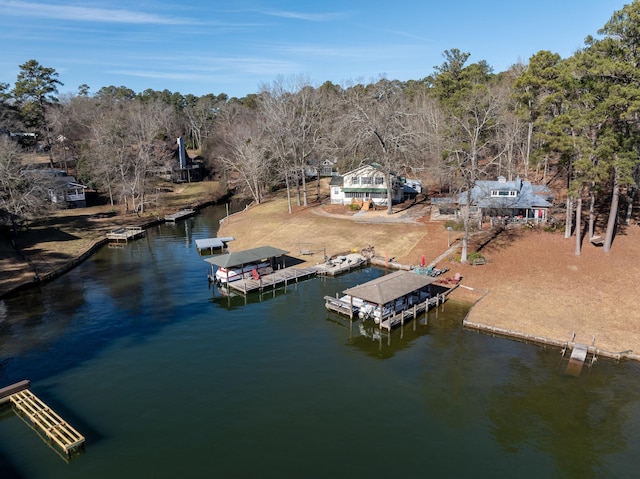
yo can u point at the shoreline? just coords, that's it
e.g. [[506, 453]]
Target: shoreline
[[94, 245], [532, 283], [492, 311]]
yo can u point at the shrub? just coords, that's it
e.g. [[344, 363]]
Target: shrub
[[474, 255], [454, 225]]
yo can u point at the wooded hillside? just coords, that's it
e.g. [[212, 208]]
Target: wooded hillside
[[570, 122]]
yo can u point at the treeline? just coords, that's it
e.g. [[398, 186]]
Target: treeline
[[575, 118]]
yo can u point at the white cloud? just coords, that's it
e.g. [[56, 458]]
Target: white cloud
[[85, 14], [312, 17]]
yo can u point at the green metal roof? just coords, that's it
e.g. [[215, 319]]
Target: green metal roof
[[247, 256], [364, 190]]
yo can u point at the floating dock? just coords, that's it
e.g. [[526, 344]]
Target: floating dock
[[42, 418], [341, 264], [185, 213], [125, 234]]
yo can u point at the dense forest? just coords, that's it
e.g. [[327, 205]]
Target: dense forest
[[575, 121]]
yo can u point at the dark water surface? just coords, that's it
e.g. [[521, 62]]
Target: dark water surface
[[167, 378]]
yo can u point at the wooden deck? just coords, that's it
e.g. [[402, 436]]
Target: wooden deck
[[125, 234], [280, 277], [412, 312], [44, 419], [341, 265], [340, 306], [173, 217]]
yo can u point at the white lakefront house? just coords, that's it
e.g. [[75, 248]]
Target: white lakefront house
[[368, 182]]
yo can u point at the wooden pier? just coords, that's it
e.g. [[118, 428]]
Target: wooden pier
[[412, 312], [125, 234], [43, 419], [280, 277], [185, 213]]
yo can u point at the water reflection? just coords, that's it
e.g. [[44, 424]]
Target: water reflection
[[579, 422]]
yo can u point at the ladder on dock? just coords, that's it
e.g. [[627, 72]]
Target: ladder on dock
[[580, 354], [48, 421]]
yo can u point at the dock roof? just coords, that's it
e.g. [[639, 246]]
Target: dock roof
[[390, 287], [247, 256], [213, 243]]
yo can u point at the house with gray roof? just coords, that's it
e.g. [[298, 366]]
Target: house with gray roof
[[509, 200]]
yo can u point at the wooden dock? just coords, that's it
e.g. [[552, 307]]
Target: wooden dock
[[185, 213], [213, 245], [36, 413], [280, 277], [125, 234], [412, 312], [344, 307], [341, 264]]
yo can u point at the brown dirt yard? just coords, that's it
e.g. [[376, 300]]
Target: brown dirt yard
[[532, 283]]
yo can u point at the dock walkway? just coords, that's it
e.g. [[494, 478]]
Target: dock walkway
[[413, 312], [185, 213], [46, 420], [279, 277]]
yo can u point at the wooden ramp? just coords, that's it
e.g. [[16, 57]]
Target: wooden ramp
[[47, 421]]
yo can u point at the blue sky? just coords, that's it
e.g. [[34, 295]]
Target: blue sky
[[234, 47]]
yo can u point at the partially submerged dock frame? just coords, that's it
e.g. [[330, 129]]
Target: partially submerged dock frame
[[42, 419]]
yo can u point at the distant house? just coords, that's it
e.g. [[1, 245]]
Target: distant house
[[187, 169], [508, 201], [65, 191], [322, 168], [368, 182]]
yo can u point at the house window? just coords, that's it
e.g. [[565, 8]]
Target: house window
[[503, 193], [354, 180], [367, 180], [379, 180]]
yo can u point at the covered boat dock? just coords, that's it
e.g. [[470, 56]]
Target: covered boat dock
[[250, 268], [212, 245], [390, 299]]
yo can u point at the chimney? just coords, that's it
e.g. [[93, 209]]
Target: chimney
[[182, 154]]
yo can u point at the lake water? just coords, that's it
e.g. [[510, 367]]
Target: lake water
[[167, 378]]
